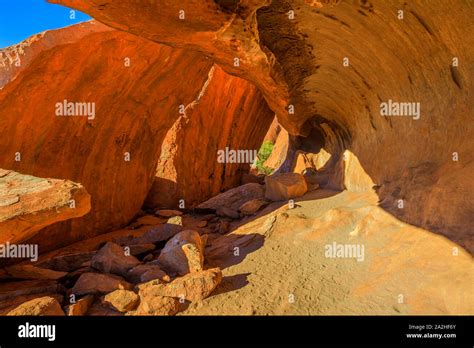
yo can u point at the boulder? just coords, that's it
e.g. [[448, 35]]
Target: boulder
[[102, 309], [183, 253], [9, 304], [228, 212], [157, 305], [175, 220], [81, 306], [32, 272], [39, 307], [138, 249], [284, 186], [145, 273], [122, 300], [157, 234], [251, 207], [27, 287], [29, 203], [67, 263], [234, 198], [249, 178], [112, 259], [92, 283], [192, 287]]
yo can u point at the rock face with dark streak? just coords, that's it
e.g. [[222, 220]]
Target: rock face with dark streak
[[137, 88], [223, 116], [420, 58]]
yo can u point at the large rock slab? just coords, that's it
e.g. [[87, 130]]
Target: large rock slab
[[112, 258], [157, 305], [251, 207], [122, 300], [284, 186], [93, 283], [183, 253], [192, 287], [28, 203], [68, 262], [157, 234], [32, 272], [27, 287], [234, 198], [81, 306], [145, 273], [9, 304], [39, 307]]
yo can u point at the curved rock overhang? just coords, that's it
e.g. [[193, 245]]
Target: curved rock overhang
[[334, 63]]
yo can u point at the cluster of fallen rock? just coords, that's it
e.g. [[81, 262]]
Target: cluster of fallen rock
[[126, 277], [157, 268]]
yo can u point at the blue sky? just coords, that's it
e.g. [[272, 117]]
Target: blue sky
[[19, 19]]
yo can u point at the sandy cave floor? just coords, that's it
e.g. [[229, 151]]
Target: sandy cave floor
[[282, 268]]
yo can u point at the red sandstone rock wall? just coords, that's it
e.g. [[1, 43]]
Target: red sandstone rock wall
[[135, 106], [300, 62], [229, 113], [138, 87]]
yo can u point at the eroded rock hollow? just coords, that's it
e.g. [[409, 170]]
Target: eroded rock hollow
[[365, 107], [330, 65]]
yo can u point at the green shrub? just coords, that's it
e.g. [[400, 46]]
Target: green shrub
[[263, 154]]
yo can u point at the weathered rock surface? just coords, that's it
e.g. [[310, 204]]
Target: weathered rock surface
[[157, 234], [175, 220], [226, 32], [122, 300], [141, 249], [168, 213], [77, 149], [81, 306], [9, 304], [145, 273], [296, 59], [183, 253], [228, 212], [92, 283], [111, 258], [283, 186], [251, 207], [39, 307], [156, 305], [77, 152], [32, 272], [192, 287], [148, 220], [193, 173], [27, 287], [234, 198], [66, 263], [28, 203]]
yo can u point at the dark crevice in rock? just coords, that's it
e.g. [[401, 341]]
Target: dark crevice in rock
[[423, 23]]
